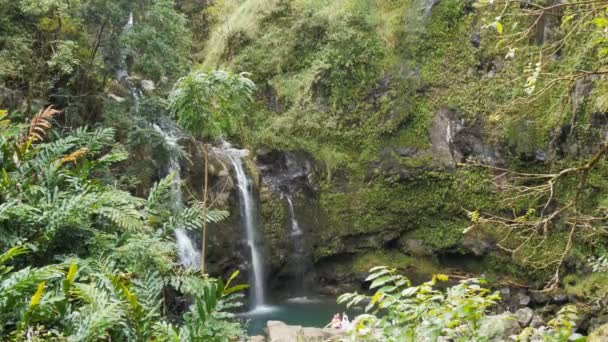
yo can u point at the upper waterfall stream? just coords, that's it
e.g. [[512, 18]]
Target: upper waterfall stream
[[248, 217]]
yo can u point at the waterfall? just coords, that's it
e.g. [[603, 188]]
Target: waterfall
[[248, 217], [188, 254], [299, 257], [122, 74]]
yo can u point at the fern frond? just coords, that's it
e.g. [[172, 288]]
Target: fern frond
[[74, 156], [159, 191], [4, 121], [40, 123], [11, 254]]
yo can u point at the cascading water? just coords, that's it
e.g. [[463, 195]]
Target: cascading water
[[298, 257], [188, 254], [248, 217], [122, 74]]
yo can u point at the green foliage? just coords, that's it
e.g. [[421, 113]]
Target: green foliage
[[127, 258], [160, 44], [412, 313], [209, 105], [558, 329]]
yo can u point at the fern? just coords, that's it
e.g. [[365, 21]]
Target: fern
[[40, 123], [159, 192]]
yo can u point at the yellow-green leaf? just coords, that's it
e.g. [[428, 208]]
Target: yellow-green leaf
[[36, 297], [499, 27]]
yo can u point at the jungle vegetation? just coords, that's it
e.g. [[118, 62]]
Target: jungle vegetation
[[86, 221]]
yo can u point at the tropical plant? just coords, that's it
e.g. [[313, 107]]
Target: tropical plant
[[208, 105], [415, 313], [113, 290]]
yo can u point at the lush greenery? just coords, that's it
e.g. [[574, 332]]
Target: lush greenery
[[426, 313], [109, 281], [464, 128]]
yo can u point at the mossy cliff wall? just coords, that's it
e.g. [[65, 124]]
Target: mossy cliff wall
[[387, 98]]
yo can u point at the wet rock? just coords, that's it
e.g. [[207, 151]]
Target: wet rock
[[287, 172], [559, 299], [257, 338], [454, 141], [499, 327], [524, 316], [443, 129]]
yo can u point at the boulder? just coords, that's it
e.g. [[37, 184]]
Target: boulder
[[147, 86], [257, 338], [537, 321], [281, 332], [499, 327], [524, 316]]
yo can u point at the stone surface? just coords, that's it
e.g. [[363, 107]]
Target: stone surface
[[257, 338], [281, 332], [498, 328], [524, 316], [537, 321], [147, 86], [414, 247], [523, 299], [454, 141]]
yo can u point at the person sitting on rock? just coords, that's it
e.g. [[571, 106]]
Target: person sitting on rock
[[345, 324], [335, 322]]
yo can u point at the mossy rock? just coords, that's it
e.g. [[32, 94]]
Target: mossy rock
[[590, 286], [599, 335]]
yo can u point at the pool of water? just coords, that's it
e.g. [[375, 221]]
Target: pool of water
[[304, 311]]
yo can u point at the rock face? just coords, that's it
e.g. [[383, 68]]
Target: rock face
[[454, 141], [281, 332], [287, 172]]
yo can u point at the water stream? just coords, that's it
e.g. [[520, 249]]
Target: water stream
[[248, 217], [188, 255], [298, 258]]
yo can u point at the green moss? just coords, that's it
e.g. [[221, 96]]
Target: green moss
[[364, 263], [590, 286], [445, 234], [274, 220]]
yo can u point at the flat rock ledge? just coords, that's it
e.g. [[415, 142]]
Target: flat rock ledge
[[280, 332]]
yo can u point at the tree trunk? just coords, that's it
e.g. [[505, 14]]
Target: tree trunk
[[204, 239]]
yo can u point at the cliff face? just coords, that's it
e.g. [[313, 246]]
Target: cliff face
[[367, 110]]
